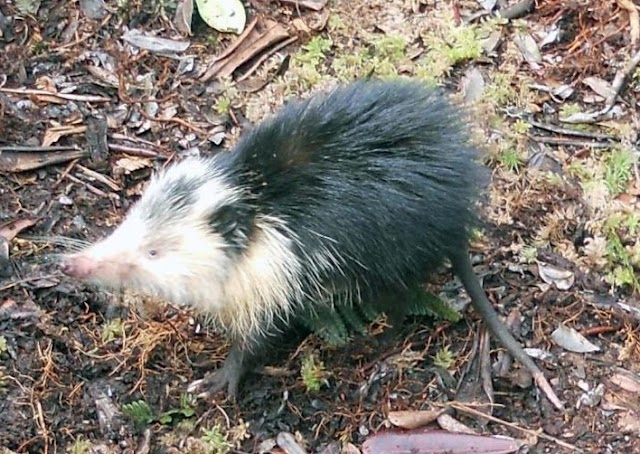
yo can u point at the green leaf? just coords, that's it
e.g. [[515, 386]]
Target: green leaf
[[139, 411], [226, 16]]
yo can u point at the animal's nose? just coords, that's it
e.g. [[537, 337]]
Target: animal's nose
[[77, 266]]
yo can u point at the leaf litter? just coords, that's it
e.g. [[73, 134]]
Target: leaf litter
[[92, 100]]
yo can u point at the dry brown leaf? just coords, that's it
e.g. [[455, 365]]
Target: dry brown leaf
[[562, 279], [451, 424], [413, 419], [183, 17], [627, 381], [131, 164], [436, 441], [52, 135], [11, 229]]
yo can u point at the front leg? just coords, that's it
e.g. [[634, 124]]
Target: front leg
[[229, 374]]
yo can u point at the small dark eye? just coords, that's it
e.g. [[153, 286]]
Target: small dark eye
[[153, 252]]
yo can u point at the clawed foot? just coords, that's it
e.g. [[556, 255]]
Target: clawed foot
[[228, 375]]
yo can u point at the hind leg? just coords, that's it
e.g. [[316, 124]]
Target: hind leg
[[247, 355], [228, 375]]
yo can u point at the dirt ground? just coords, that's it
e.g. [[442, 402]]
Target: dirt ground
[[88, 110]]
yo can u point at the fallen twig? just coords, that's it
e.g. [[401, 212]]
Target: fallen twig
[[572, 132], [89, 186], [257, 41], [265, 56], [134, 151], [65, 96], [566, 141], [225, 53], [27, 148], [98, 176], [465, 409]]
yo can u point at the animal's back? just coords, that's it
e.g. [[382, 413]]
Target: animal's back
[[376, 180]]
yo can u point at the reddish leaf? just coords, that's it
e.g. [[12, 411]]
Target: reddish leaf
[[436, 442]]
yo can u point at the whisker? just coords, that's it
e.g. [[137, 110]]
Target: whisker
[[73, 244]]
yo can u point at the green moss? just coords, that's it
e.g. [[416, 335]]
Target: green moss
[[314, 51], [305, 71], [216, 440], [391, 47], [447, 46], [313, 373], [528, 254], [578, 170], [381, 59], [80, 446], [618, 170], [621, 258], [521, 127], [567, 109], [499, 91], [223, 103], [632, 223], [336, 24], [509, 157], [444, 358], [112, 330]]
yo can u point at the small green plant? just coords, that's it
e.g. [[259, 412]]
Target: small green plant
[[335, 324], [39, 48], [421, 303], [448, 46], [444, 358], [3, 382], [305, 63], [392, 47], [632, 222], [500, 91], [313, 373], [223, 103], [623, 273], [315, 50], [186, 410], [579, 170], [140, 412], [3, 345], [568, 109], [618, 170], [80, 446], [336, 24], [521, 127], [529, 254], [216, 440], [112, 330], [510, 158]]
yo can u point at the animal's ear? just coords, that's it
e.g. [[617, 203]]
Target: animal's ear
[[235, 222]]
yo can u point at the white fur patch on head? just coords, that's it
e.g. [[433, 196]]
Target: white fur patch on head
[[200, 177], [165, 246]]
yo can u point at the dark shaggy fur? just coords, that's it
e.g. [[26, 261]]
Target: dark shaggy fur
[[379, 172]]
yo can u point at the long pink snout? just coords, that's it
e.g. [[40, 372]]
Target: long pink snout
[[78, 266]]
